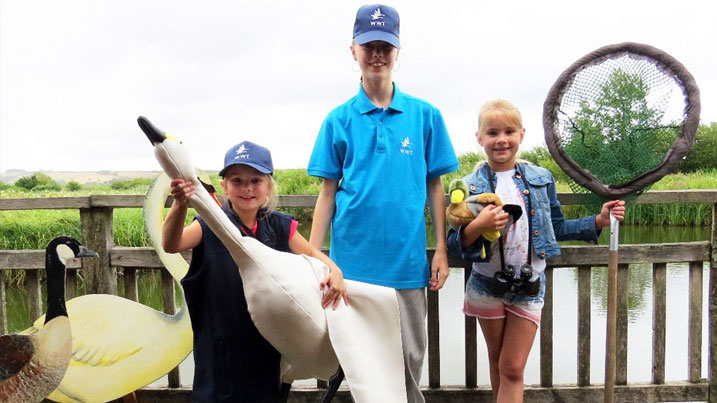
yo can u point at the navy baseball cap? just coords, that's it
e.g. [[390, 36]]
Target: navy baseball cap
[[377, 22], [251, 154]]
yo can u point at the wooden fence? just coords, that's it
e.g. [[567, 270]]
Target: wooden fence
[[100, 276]]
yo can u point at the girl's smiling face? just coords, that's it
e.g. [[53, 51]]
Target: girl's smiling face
[[247, 188], [376, 59], [500, 138]]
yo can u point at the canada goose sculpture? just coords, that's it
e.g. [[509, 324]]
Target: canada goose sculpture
[[31, 366], [119, 345], [283, 299]]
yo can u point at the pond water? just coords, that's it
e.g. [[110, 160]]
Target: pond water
[[564, 321]]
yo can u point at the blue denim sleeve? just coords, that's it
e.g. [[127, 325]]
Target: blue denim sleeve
[[581, 229], [472, 253]]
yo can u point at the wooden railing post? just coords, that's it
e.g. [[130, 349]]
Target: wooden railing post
[[3, 306], [70, 284], [434, 351], [170, 308], [713, 310], [320, 384], [694, 327], [100, 276], [659, 312], [34, 294], [621, 325], [130, 284], [584, 323], [546, 333], [471, 339]]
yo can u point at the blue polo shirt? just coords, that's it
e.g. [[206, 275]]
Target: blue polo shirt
[[382, 159]]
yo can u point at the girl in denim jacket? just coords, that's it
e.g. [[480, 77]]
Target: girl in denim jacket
[[506, 288]]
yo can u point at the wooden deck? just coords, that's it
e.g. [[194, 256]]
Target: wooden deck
[[634, 393]]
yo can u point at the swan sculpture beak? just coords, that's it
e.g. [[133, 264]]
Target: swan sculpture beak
[[172, 157], [153, 134]]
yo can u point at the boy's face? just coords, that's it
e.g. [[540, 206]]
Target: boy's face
[[500, 140], [247, 188], [376, 59]]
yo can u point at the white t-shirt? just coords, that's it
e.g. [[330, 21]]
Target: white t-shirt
[[515, 241]]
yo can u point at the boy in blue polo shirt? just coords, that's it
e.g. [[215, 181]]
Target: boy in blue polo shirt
[[381, 154]]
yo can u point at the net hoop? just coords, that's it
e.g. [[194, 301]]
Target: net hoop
[[680, 147]]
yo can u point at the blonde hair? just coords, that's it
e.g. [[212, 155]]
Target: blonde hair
[[500, 108], [272, 199]]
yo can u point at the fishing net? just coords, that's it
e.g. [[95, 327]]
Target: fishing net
[[616, 121], [620, 118]]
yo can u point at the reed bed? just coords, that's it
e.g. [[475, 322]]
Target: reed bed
[[33, 229], [688, 214]]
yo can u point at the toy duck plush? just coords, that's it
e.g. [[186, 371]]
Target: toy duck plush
[[464, 208]]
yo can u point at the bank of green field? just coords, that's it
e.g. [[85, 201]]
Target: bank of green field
[[32, 229]]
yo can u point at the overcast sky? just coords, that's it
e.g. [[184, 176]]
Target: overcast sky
[[74, 75]]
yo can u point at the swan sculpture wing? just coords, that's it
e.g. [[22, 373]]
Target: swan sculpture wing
[[118, 346], [284, 301]]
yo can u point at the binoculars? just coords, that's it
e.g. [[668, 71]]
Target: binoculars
[[505, 280]]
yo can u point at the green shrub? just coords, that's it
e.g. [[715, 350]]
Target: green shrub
[[466, 164], [73, 186], [52, 187], [703, 154], [36, 180], [537, 155], [297, 182], [135, 183]]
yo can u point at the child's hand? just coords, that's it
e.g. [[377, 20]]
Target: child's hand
[[337, 288], [439, 269], [492, 218], [602, 220], [181, 190]]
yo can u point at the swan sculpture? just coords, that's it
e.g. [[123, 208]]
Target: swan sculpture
[[119, 345], [31, 366], [284, 301]]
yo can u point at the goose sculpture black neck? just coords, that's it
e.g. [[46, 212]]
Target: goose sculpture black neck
[[55, 271]]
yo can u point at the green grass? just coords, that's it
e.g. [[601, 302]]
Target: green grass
[[682, 214], [33, 229]]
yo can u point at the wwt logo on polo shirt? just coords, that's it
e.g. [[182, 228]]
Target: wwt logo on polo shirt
[[406, 146], [241, 152]]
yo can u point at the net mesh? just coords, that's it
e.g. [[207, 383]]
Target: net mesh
[[615, 118], [618, 119]]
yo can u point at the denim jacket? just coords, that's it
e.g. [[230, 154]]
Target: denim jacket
[[549, 224]]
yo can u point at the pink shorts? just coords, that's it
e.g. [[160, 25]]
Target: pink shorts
[[480, 302]]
